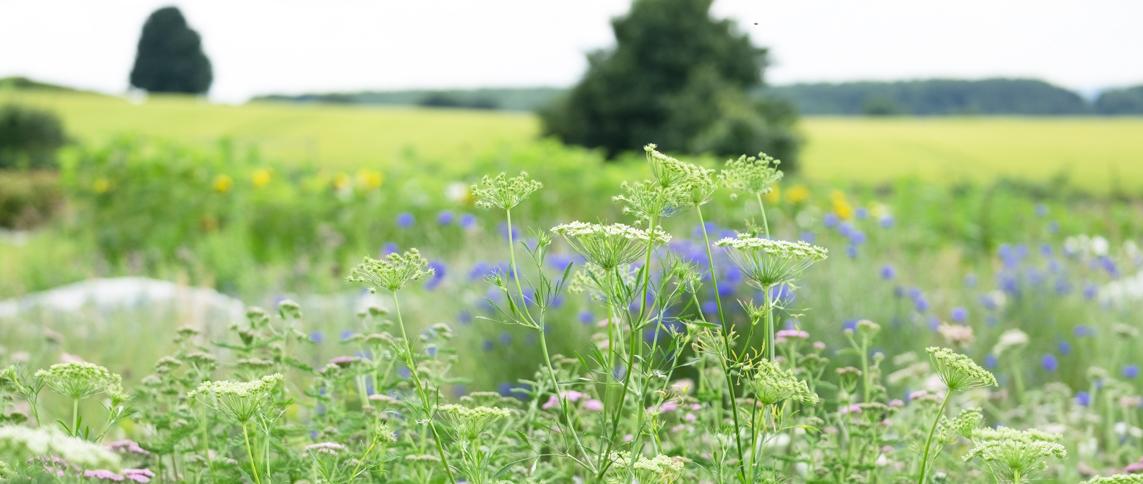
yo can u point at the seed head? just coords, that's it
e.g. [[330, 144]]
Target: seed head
[[773, 384], [391, 272], [958, 371], [239, 400], [755, 175], [504, 192], [1010, 452]]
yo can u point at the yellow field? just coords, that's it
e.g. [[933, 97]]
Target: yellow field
[[1097, 153]]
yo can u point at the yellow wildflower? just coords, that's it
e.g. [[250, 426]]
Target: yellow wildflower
[[370, 179], [340, 181], [222, 183], [775, 194], [841, 206], [797, 194], [260, 178], [101, 185]]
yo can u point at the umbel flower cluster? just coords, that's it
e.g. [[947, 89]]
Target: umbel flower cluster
[[391, 272], [958, 371], [81, 380], [610, 246], [1015, 454], [504, 192], [239, 400], [773, 384], [767, 262], [755, 175], [24, 443]]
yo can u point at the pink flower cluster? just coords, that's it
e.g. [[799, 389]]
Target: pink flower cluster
[[790, 334], [136, 475], [126, 446], [573, 396]]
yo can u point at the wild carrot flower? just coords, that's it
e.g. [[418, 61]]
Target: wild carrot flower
[[1014, 454], [239, 400], [79, 380], [610, 246], [768, 262], [504, 192], [756, 175], [22, 443], [391, 272], [773, 384], [958, 371]]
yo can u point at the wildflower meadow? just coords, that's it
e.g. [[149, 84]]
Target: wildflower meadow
[[706, 322]]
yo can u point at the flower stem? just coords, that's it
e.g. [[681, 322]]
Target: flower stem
[[762, 207], [75, 417], [425, 403], [250, 454], [929, 440], [726, 346]]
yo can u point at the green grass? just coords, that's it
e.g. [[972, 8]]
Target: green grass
[[1098, 154]]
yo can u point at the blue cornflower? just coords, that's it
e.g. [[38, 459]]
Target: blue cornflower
[[807, 237], [1064, 348], [403, 372], [851, 251], [390, 248], [850, 325], [405, 220], [709, 307], [503, 228], [830, 220], [465, 318], [970, 281], [1083, 399], [505, 338], [1090, 291], [861, 213], [1041, 210], [439, 271], [920, 304], [887, 272], [467, 221], [990, 361], [445, 217], [586, 318], [346, 334], [959, 315], [887, 222], [1050, 363], [487, 345], [1083, 330], [459, 390], [431, 351], [1131, 372], [317, 337]]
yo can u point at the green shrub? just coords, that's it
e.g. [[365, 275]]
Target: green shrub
[[29, 137], [28, 199]]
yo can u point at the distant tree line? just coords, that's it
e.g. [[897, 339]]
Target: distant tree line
[[936, 97]]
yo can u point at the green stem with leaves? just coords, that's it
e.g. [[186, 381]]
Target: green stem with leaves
[[425, 402], [726, 346], [929, 440], [250, 454]]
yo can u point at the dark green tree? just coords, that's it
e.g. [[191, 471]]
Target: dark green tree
[[29, 137], [1118, 102], [170, 56], [680, 79]]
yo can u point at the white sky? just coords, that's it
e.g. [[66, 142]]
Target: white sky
[[261, 46]]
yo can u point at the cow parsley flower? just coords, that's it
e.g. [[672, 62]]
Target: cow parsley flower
[[684, 183], [610, 246], [664, 468], [1015, 454], [391, 272], [239, 400], [756, 175], [773, 384], [504, 192], [768, 262], [958, 371], [79, 380]]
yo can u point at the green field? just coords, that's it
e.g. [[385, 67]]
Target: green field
[[1098, 154]]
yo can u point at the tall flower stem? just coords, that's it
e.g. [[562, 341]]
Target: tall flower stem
[[250, 454], [634, 346], [426, 404], [762, 207], [515, 275], [726, 346], [75, 417], [929, 440], [768, 323]]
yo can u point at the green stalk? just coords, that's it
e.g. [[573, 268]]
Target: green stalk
[[765, 224], [515, 275], [250, 454], [768, 326], [929, 440], [634, 345], [75, 417], [726, 346], [421, 390]]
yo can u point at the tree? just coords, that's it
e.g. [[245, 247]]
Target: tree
[[1123, 101], [680, 79], [170, 56]]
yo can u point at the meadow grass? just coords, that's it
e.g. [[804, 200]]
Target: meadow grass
[[1100, 155]]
